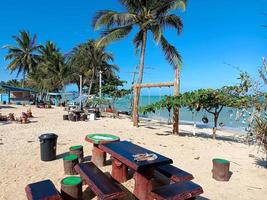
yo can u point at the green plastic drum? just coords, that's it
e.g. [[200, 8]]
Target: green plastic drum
[[77, 147], [70, 157], [221, 161], [71, 180], [101, 138]]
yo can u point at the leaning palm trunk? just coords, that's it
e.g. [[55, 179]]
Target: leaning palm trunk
[[91, 82], [140, 73]]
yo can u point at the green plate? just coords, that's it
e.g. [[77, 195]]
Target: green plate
[[102, 137]]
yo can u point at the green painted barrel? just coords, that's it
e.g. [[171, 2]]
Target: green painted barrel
[[221, 161], [77, 147], [77, 150], [71, 180], [71, 188], [70, 157]]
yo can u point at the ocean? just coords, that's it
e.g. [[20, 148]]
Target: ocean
[[230, 118]]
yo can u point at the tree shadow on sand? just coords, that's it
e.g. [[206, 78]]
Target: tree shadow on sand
[[9, 107], [261, 162], [204, 135]]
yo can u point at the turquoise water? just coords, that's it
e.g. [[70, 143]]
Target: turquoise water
[[229, 117]]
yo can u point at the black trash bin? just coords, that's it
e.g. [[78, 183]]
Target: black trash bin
[[48, 146]]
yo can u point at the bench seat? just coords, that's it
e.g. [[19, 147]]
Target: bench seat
[[104, 187], [43, 190], [174, 173], [177, 191]]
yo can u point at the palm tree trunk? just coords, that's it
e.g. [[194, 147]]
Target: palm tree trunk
[[91, 81], [140, 78], [175, 126]]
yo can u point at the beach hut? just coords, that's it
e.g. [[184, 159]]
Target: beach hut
[[17, 94]]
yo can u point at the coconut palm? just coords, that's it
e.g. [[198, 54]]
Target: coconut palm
[[24, 56], [53, 69], [88, 59], [148, 16]]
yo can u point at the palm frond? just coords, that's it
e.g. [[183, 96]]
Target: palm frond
[[172, 21], [171, 53], [110, 19], [114, 34]]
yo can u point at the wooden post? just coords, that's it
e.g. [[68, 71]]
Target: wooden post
[[175, 129], [135, 106], [119, 171]]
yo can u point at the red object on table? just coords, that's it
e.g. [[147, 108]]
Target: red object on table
[[123, 157]]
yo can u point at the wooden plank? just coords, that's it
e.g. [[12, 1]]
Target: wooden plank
[[177, 191], [174, 173], [103, 186], [124, 151], [42, 190]]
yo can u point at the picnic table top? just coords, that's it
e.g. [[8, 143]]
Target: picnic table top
[[124, 151], [100, 138]]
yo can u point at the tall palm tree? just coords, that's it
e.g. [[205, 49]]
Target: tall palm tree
[[149, 16], [88, 59], [24, 56], [53, 67]]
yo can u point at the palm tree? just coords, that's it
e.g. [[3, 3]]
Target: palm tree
[[53, 68], [24, 56], [88, 59], [149, 16]]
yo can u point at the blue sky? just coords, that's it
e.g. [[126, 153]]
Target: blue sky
[[215, 32]]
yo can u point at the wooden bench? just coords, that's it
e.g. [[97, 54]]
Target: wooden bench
[[42, 190], [174, 173], [177, 191], [104, 187]]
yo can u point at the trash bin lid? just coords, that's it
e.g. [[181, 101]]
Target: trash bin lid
[[48, 136], [71, 180]]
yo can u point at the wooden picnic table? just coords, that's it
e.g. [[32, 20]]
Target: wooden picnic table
[[99, 156], [123, 158]]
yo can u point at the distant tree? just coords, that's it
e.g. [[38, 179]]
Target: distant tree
[[88, 59], [148, 16], [24, 56]]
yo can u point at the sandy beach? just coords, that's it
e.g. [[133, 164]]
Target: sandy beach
[[21, 164]]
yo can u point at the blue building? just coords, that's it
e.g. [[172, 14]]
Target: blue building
[[17, 94]]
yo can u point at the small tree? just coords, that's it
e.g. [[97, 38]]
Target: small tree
[[260, 130], [112, 89], [213, 101]]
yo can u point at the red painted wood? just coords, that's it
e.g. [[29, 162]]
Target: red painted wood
[[98, 156], [119, 171], [124, 151], [104, 187], [42, 190], [177, 191], [174, 173], [143, 184]]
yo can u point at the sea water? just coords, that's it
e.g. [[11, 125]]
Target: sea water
[[230, 118]]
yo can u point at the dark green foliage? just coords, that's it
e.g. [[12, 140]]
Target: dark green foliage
[[24, 56]]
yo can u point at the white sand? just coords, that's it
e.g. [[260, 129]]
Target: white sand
[[20, 162]]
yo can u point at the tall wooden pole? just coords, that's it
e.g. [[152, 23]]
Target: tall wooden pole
[[135, 107], [176, 92]]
